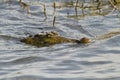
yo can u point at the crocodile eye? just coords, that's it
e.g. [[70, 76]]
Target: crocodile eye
[[85, 40]]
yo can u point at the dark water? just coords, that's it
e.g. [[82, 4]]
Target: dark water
[[95, 61]]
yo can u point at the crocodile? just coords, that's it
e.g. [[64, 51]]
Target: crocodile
[[51, 38]]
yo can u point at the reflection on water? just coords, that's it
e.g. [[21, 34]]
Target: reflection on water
[[98, 60]]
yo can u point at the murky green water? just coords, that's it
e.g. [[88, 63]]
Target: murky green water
[[98, 60]]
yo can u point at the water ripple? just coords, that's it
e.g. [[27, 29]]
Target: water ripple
[[95, 61]]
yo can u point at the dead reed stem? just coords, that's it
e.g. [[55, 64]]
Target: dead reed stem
[[83, 9], [54, 19], [45, 12], [113, 4], [25, 6], [99, 3], [54, 6], [76, 11]]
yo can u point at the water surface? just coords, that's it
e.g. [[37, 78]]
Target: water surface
[[95, 61]]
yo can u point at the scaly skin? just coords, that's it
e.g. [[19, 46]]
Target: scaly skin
[[50, 38]]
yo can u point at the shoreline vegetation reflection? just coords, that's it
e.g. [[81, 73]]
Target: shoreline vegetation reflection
[[81, 8]]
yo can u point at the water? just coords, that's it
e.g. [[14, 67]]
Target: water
[[95, 61]]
